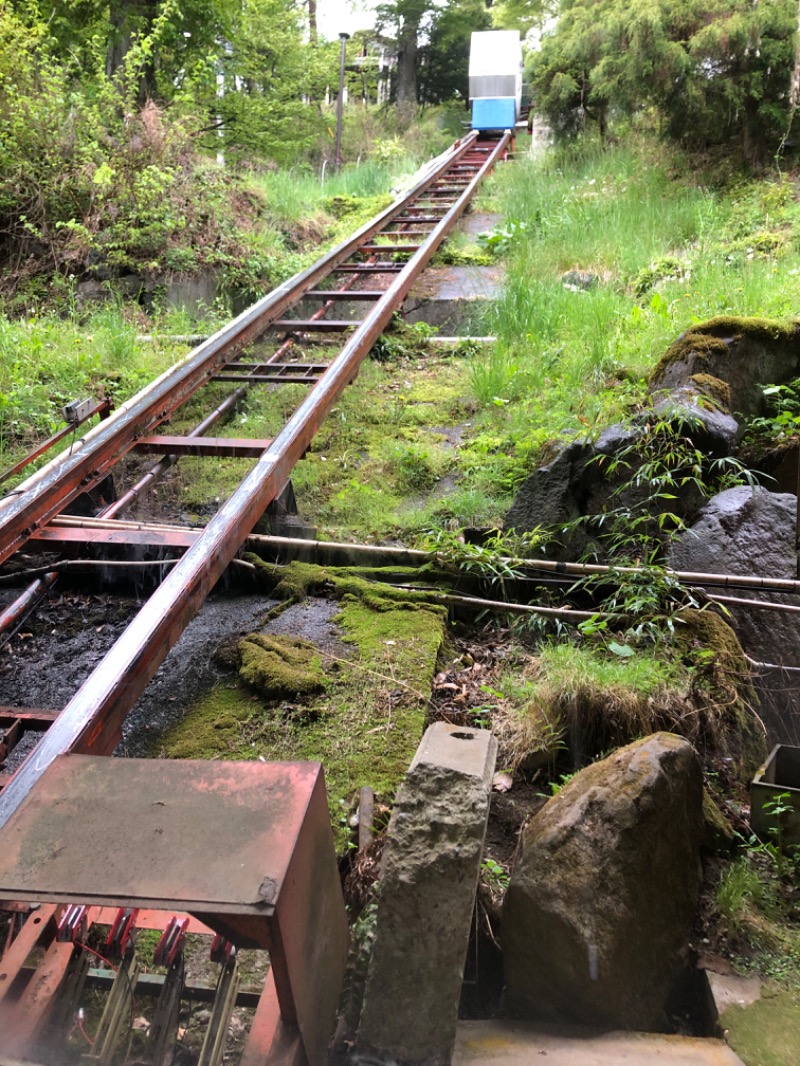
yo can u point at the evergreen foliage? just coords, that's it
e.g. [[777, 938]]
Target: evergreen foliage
[[716, 71]]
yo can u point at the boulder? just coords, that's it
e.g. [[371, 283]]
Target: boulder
[[741, 531], [742, 353], [600, 906], [746, 531], [554, 494], [713, 429], [581, 480]]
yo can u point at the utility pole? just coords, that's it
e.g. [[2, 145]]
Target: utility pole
[[340, 101]]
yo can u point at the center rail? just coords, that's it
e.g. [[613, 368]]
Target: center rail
[[91, 723]]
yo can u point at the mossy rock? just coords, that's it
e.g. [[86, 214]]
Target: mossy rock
[[718, 835], [279, 666], [740, 352], [722, 691]]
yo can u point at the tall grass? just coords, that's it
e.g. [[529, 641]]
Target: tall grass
[[47, 362], [300, 193], [569, 360]]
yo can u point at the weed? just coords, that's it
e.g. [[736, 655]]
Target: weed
[[660, 464], [783, 419], [743, 888], [494, 876], [563, 779]]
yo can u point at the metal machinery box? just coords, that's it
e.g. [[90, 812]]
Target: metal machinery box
[[779, 776], [495, 66], [494, 114]]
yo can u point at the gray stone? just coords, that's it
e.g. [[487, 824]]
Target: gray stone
[[713, 430], [430, 875], [742, 532], [615, 437], [746, 531], [580, 279], [599, 910], [193, 293], [552, 495], [580, 482]]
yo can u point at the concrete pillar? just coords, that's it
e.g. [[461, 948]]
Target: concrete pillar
[[431, 867]]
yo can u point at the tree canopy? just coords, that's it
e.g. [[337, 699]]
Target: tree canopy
[[716, 71]]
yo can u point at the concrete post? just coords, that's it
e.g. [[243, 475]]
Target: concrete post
[[431, 868]]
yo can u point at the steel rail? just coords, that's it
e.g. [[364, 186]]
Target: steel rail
[[44, 495], [91, 723], [231, 400]]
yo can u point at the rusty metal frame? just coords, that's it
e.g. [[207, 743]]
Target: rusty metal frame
[[273, 885], [91, 723], [45, 494]]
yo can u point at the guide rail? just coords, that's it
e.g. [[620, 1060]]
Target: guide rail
[[397, 244]]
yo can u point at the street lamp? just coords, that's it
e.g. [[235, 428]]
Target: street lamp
[[340, 101]]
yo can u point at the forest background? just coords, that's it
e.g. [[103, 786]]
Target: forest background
[[126, 125]]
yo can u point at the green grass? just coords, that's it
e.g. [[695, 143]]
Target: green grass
[[47, 362], [667, 252], [297, 194]]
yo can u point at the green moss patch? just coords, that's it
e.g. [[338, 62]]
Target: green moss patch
[[362, 714], [296, 580], [722, 689], [718, 391], [277, 666], [767, 1032], [213, 727]]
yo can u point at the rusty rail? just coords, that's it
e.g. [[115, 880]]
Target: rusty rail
[[92, 720], [45, 494]]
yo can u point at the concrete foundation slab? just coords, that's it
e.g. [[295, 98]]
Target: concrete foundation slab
[[501, 1043], [730, 989], [454, 298], [427, 895]]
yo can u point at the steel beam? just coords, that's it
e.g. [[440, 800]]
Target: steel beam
[[46, 493], [91, 722], [230, 447]]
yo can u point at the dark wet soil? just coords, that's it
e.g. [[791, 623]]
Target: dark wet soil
[[45, 663]]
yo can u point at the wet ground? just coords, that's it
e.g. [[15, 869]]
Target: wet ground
[[52, 655]]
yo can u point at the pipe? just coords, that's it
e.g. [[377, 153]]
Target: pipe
[[16, 612]]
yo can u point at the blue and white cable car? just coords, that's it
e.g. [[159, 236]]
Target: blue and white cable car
[[495, 79]]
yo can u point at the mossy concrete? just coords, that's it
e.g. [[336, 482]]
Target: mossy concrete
[[767, 1032], [361, 714]]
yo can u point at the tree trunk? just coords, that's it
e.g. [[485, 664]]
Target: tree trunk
[[312, 21], [128, 19], [794, 84], [407, 70]]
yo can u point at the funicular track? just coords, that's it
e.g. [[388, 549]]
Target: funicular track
[[392, 250]]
